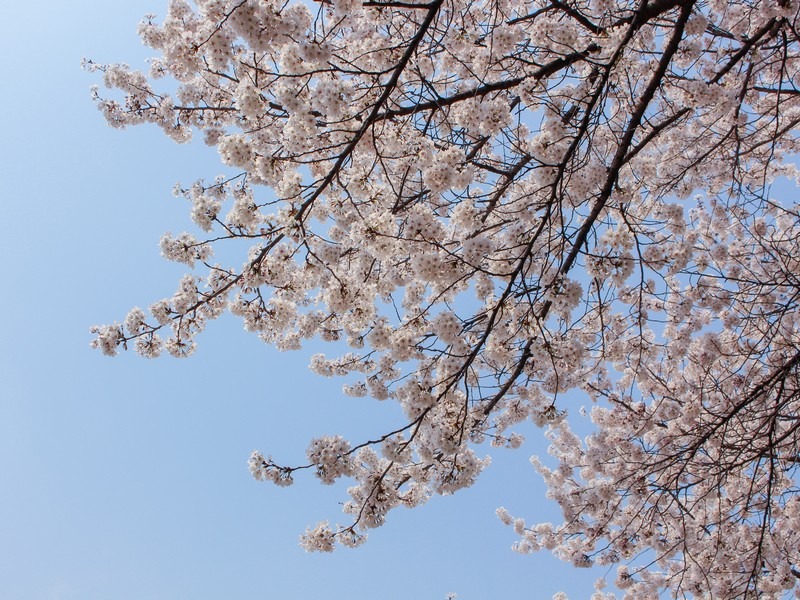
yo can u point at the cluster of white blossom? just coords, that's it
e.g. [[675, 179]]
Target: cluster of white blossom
[[263, 469], [331, 455], [494, 203]]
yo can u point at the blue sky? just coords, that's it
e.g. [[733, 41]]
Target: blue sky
[[126, 478]]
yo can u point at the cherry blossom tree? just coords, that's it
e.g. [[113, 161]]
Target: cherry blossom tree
[[501, 206]]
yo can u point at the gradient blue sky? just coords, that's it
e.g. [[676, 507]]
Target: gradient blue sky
[[125, 478]]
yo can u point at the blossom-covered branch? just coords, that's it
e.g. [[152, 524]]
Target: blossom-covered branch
[[495, 203]]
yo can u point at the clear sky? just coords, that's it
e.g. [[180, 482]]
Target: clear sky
[[126, 478]]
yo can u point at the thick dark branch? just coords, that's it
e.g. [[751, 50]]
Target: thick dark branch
[[546, 71], [625, 143], [746, 47], [577, 16], [374, 114], [394, 4], [523, 360]]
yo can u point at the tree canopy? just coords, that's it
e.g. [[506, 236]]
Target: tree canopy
[[500, 206]]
